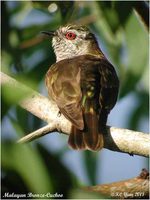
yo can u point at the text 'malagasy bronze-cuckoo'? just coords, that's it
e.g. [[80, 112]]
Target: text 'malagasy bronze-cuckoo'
[[83, 83]]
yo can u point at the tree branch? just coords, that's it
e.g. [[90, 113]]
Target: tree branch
[[38, 133], [121, 140], [135, 188]]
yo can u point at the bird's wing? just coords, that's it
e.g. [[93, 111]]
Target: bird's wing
[[63, 83], [109, 85]]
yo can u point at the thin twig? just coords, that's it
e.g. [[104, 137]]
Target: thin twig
[[121, 140], [38, 133]]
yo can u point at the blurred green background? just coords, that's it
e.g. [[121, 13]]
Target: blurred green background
[[47, 164]]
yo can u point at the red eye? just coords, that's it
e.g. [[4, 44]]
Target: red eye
[[70, 36]]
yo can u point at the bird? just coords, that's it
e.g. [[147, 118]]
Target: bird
[[83, 84]]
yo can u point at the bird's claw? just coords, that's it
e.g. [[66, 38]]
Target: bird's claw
[[59, 114]]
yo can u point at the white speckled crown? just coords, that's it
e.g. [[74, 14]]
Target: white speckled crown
[[84, 43]]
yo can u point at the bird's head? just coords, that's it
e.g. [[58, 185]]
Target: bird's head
[[73, 40]]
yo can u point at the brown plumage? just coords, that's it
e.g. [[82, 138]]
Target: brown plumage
[[85, 88]]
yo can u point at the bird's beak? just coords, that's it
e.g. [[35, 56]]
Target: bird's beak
[[49, 33]]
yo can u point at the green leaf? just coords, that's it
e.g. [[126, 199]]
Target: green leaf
[[26, 161], [90, 160], [13, 96], [136, 39]]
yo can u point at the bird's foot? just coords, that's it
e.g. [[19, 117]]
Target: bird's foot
[[59, 114]]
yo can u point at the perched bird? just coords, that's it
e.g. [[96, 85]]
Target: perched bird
[[83, 83]]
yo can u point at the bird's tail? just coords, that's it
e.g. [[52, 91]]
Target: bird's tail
[[91, 137]]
